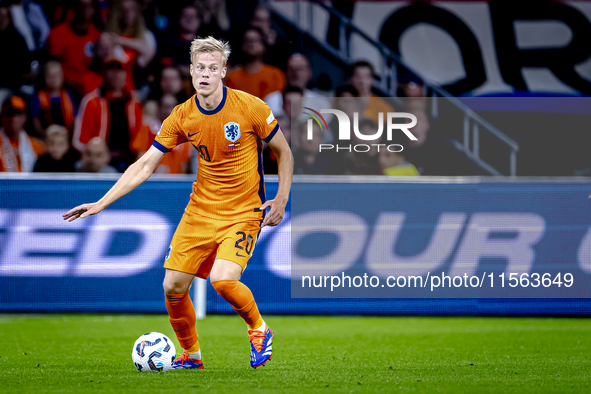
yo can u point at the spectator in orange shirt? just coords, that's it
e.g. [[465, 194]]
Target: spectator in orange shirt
[[112, 113], [176, 161], [255, 77], [72, 42], [18, 150], [52, 104], [362, 76]]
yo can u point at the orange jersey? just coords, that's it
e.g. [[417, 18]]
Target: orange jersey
[[229, 183]]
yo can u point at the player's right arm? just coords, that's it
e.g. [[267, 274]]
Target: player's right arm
[[169, 136], [135, 175]]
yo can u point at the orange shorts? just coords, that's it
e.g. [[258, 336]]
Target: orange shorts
[[198, 241]]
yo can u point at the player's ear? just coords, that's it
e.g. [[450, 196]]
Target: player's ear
[[224, 70], [191, 69]]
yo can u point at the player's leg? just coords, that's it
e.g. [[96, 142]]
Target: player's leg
[[233, 254], [188, 251], [225, 277], [181, 314]]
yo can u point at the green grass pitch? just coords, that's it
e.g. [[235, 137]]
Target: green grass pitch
[[92, 353]]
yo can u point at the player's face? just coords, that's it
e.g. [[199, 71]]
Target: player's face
[[207, 72]]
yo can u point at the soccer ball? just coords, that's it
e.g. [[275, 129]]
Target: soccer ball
[[153, 352]]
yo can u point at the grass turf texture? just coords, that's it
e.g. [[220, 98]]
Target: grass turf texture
[[92, 353]]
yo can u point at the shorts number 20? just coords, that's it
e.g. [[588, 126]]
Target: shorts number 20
[[249, 242]]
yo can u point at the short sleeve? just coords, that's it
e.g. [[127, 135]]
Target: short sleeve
[[264, 123], [170, 134]]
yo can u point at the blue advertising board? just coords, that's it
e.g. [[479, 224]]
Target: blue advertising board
[[112, 262]]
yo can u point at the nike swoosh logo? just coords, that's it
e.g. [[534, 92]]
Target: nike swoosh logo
[[239, 255], [191, 135]]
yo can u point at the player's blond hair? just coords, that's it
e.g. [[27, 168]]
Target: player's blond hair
[[210, 45]]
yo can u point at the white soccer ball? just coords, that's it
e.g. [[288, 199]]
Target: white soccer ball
[[153, 352]]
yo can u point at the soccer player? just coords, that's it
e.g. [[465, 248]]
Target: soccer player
[[219, 228]]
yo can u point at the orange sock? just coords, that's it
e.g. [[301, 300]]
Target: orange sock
[[241, 299], [182, 319]]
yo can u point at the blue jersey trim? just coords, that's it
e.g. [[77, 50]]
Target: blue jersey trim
[[260, 171], [160, 147], [270, 136], [217, 109]]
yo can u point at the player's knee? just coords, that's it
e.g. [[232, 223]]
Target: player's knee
[[174, 287], [225, 270], [215, 276]]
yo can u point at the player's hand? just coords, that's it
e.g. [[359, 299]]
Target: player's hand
[[276, 212], [82, 211]]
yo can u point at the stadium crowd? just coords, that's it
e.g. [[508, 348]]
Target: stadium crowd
[[86, 84]]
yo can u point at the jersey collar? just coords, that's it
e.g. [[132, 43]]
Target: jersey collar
[[215, 110]]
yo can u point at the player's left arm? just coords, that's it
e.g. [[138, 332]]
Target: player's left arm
[[279, 146]]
